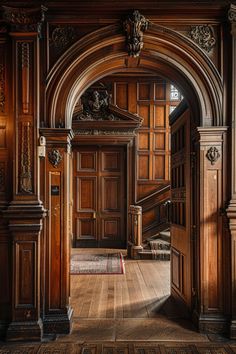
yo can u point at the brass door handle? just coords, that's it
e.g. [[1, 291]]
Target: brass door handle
[[94, 215]]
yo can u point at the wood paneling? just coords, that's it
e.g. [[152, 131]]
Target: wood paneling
[[99, 196], [122, 95], [149, 97], [181, 208], [159, 116], [55, 206], [25, 273]]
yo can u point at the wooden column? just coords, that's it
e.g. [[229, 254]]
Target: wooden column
[[58, 313], [25, 212], [231, 211], [135, 213], [210, 239], [5, 182]]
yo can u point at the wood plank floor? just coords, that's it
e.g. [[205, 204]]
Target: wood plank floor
[[128, 307], [138, 293]]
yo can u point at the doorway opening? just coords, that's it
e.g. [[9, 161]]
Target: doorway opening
[[111, 174]]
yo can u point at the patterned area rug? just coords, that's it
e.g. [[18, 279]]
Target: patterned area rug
[[111, 263]]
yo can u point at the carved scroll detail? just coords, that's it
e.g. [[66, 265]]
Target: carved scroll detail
[[54, 157], [25, 62], [134, 26], [62, 36], [203, 35], [2, 89], [213, 154], [25, 158]]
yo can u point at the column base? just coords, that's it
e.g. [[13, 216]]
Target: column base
[[135, 252], [211, 324], [3, 329], [25, 331], [60, 323], [232, 332]]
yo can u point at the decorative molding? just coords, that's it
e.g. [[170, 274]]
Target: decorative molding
[[24, 19], [62, 36], [203, 35], [232, 13], [24, 54], [2, 176], [134, 26], [54, 157], [25, 159], [213, 154], [130, 132], [2, 88], [96, 106], [25, 66]]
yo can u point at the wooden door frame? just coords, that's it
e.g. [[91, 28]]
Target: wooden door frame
[[108, 143]]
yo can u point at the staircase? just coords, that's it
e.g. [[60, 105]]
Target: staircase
[[157, 247], [149, 223]]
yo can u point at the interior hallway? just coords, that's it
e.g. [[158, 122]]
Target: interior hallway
[[132, 306]]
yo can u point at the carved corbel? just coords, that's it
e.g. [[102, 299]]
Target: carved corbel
[[134, 26]]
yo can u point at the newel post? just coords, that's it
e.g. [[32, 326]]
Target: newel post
[[135, 215], [231, 211], [57, 313]]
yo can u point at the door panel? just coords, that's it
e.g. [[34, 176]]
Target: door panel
[[181, 208], [100, 199]]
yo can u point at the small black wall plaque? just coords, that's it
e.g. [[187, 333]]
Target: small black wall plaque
[[55, 190]]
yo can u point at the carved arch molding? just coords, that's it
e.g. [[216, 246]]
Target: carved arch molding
[[154, 48]]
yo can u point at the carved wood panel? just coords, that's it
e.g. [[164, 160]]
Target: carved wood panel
[[181, 208], [55, 206], [99, 196]]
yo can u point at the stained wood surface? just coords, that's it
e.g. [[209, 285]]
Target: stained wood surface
[[138, 293], [99, 195]]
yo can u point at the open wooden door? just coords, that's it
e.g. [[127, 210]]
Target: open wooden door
[[181, 279], [99, 194]]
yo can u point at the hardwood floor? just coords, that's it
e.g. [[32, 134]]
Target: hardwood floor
[[128, 307], [139, 293]]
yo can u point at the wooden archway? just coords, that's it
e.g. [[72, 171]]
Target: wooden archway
[[165, 51], [177, 58]]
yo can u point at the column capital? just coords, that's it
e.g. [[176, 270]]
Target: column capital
[[57, 136], [24, 20]]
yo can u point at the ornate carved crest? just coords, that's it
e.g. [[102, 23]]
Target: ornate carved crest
[[62, 36], [24, 19], [203, 35], [213, 154], [134, 26], [54, 157], [95, 106]]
